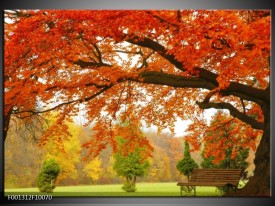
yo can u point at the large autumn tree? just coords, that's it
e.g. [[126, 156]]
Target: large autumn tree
[[157, 65]]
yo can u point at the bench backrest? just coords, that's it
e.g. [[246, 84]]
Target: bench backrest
[[227, 176]]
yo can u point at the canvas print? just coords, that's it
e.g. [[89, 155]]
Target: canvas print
[[160, 103]]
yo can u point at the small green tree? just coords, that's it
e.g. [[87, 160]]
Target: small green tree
[[187, 164], [48, 175], [132, 153], [131, 165]]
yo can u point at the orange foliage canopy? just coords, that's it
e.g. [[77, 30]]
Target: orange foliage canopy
[[154, 65]]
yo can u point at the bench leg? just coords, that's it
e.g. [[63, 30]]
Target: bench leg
[[187, 189]]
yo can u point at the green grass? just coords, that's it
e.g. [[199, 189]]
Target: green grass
[[143, 189]]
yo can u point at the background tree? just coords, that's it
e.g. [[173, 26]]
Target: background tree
[[228, 137], [225, 137], [48, 175], [23, 158], [167, 152], [238, 162], [231, 140], [93, 169], [110, 172], [65, 149], [187, 164], [109, 60]]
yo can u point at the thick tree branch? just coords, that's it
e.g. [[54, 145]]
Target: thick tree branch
[[205, 77], [160, 78], [234, 112], [146, 42], [245, 92], [260, 96], [84, 64]]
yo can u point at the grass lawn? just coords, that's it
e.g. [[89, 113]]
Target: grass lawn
[[143, 189]]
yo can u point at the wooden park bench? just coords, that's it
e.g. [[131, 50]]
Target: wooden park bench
[[211, 177]]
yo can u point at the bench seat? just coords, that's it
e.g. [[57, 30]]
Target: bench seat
[[212, 177]]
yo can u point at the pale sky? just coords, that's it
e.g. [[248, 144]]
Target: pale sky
[[181, 125]]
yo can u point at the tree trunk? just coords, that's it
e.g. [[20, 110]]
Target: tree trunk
[[259, 184], [7, 118]]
